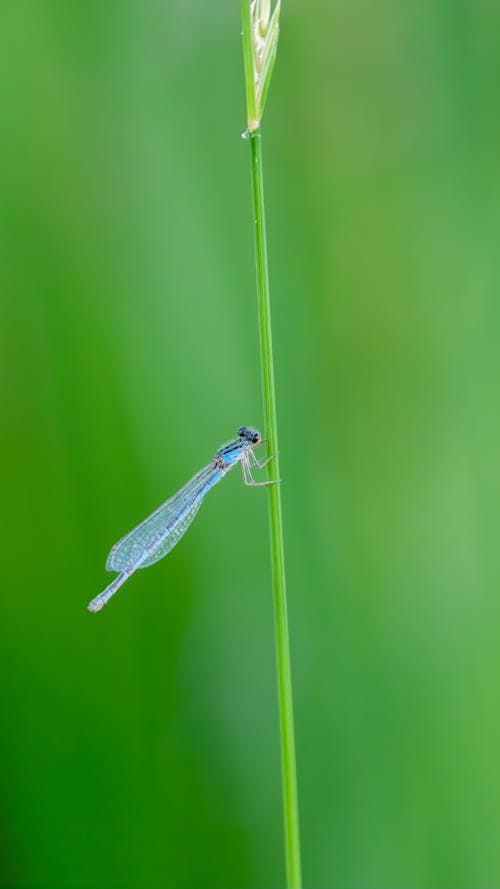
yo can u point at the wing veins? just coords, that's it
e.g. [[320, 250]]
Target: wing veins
[[159, 524]]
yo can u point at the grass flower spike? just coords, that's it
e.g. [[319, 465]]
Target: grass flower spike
[[260, 41]]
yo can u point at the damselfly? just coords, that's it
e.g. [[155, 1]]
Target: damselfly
[[158, 534]]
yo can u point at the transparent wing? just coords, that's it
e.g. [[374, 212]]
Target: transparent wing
[[173, 536], [149, 540]]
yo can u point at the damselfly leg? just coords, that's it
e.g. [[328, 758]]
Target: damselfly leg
[[247, 472]]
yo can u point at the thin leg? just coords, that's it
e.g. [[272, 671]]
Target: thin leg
[[247, 474], [262, 463], [244, 474]]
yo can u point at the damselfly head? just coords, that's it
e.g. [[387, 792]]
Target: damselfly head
[[250, 435]]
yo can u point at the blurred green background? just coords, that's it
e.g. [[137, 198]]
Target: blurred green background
[[139, 747]]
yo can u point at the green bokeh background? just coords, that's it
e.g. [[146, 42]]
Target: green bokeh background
[[139, 747]]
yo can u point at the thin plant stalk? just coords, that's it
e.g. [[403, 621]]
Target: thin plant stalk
[[260, 36], [289, 770]]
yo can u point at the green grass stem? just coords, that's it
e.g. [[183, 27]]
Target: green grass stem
[[290, 800], [260, 31]]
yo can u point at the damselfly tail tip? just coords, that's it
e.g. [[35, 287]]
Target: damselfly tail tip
[[95, 605]]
